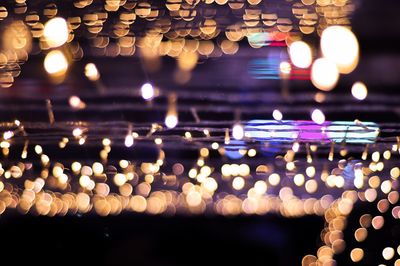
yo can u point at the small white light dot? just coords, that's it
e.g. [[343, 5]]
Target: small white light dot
[[215, 145], [77, 132], [171, 120], [238, 132], [129, 141], [277, 115], [147, 91], [318, 116], [359, 91]]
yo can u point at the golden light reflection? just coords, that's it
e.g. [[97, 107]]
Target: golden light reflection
[[56, 63], [76, 103], [91, 72], [357, 254], [324, 74], [361, 234], [340, 45]]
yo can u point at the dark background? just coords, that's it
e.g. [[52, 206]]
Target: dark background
[[151, 240]]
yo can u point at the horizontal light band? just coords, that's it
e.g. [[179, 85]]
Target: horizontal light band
[[306, 131]]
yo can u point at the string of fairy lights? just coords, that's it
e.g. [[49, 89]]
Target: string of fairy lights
[[207, 131], [293, 168]]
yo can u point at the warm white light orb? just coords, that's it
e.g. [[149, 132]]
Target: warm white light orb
[[77, 132], [129, 140], [277, 115], [324, 74], [56, 32], [318, 116], [340, 45], [55, 63], [8, 135], [238, 132], [260, 187], [91, 72], [285, 68], [388, 253], [359, 91], [238, 183], [300, 54], [147, 91], [76, 103], [171, 120]]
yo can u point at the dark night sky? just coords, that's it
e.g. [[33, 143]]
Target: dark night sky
[[153, 240]]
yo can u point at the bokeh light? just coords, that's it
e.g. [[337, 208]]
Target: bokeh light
[[300, 54], [359, 91], [56, 32], [324, 74], [318, 116], [56, 63], [147, 91], [340, 45]]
